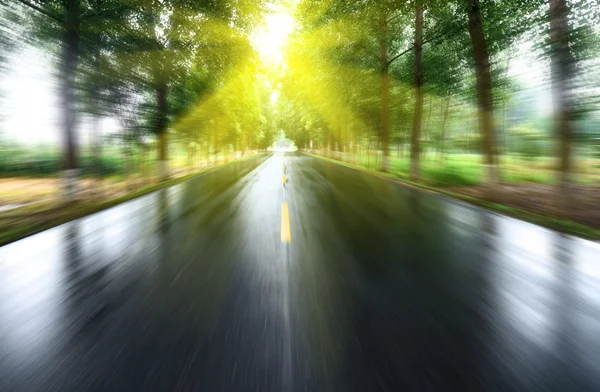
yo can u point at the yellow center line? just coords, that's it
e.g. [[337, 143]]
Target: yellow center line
[[286, 235], [283, 177]]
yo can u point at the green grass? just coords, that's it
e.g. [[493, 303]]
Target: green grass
[[455, 170], [466, 169], [45, 161], [453, 174], [551, 222]]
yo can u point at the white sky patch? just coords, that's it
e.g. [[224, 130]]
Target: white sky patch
[[532, 73], [270, 40], [29, 102], [274, 96]]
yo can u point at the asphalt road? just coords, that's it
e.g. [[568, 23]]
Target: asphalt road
[[337, 281]]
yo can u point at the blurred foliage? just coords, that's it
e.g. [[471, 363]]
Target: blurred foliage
[[527, 142], [42, 161], [190, 70]]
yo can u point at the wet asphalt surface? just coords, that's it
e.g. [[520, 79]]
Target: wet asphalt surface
[[377, 287]]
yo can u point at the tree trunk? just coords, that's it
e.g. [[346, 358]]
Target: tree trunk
[[385, 96], [425, 133], [377, 147], [97, 146], [369, 152], [484, 90], [415, 139], [200, 154], [330, 145], [443, 133], [96, 114], [503, 154], [562, 66], [214, 143], [191, 155], [68, 71], [161, 130], [96, 142]]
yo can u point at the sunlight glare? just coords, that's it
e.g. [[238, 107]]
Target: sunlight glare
[[270, 40]]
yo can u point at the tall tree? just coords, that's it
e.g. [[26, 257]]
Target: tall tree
[[485, 100], [562, 66], [385, 89], [418, 91], [174, 32], [367, 35], [70, 24]]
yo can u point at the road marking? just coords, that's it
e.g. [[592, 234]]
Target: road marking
[[286, 235]]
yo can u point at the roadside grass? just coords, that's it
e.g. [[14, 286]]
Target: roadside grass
[[32, 187], [465, 175], [457, 169], [26, 190], [33, 218], [538, 177]]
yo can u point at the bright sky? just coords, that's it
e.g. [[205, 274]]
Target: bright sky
[[270, 40], [29, 101], [532, 73], [28, 105]]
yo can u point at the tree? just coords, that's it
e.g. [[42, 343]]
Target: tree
[[366, 35], [563, 69], [174, 32], [68, 15], [485, 100], [418, 86], [72, 25]]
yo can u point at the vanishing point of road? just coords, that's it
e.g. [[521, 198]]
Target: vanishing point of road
[[327, 279]]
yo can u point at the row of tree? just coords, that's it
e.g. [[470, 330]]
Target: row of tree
[[356, 73], [154, 65], [358, 69]]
